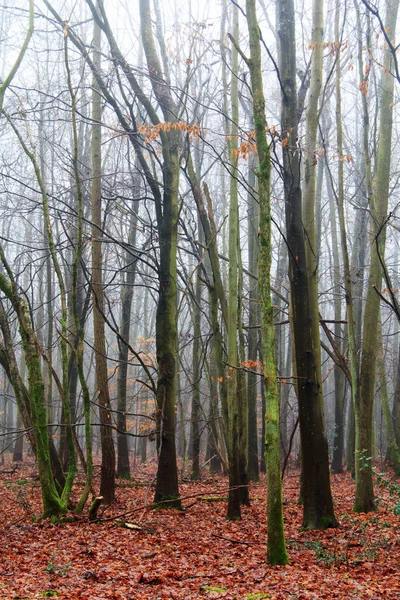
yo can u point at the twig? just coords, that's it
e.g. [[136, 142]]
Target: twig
[[157, 504], [236, 541], [290, 448]]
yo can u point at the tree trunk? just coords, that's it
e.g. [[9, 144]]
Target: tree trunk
[[392, 453], [364, 500], [123, 468], [107, 480], [318, 505], [276, 548], [195, 414], [167, 489], [396, 402], [232, 341], [52, 504], [252, 349]]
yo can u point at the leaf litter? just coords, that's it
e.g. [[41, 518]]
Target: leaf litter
[[136, 552]]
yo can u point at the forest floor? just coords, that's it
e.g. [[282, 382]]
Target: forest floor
[[196, 553]]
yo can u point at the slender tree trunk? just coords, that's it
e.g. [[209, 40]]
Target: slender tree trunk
[[396, 402], [232, 341], [276, 548], [123, 468], [214, 438], [76, 317], [242, 391], [107, 481], [51, 499], [338, 442], [392, 453], [339, 379], [348, 283], [195, 414], [252, 349], [280, 343]]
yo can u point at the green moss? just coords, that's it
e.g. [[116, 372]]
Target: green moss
[[214, 588], [327, 521]]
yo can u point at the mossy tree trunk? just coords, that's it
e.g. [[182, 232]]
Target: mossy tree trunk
[[364, 500], [52, 504], [232, 339], [276, 548], [253, 334]]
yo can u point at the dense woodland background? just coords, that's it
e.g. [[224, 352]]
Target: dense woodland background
[[199, 249]]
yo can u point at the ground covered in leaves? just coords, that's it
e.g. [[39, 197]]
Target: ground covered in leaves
[[134, 552]]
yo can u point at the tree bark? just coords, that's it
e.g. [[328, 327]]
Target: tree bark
[[318, 505], [364, 500], [127, 288], [107, 477], [232, 341], [276, 547], [254, 319], [166, 318]]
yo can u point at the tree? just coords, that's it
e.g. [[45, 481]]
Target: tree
[[10, 76], [127, 290], [232, 323], [166, 320], [317, 499], [276, 549], [107, 481], [364, 500]]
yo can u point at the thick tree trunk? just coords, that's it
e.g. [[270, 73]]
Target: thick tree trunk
[[364, 500], [167, 489], [318, 505]]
